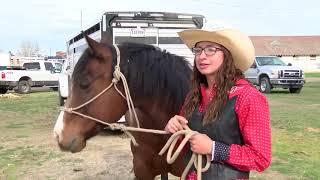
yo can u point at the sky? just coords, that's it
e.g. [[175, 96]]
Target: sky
[[50, 23]]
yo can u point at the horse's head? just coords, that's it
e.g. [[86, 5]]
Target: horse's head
[[157, 80], [92, 74]]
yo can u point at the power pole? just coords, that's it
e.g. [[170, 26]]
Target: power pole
[[81, 19]]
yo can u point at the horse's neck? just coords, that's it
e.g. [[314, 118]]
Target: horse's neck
[[152, 117]]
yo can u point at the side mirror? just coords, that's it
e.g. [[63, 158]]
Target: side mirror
[[54, 70], [289, 64], [57, 70]]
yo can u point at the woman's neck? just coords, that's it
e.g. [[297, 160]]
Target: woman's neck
[[211, 81]]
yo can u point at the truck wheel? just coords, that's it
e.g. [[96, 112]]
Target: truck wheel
[[3, 90], [24, 87], [61, 100], [265, 86], [295, 90], [55, 88]]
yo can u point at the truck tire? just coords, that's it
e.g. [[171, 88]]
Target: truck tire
[[24, 87], [265, 86], [61, 100], [295, 90], [3, 90], [55, 88]]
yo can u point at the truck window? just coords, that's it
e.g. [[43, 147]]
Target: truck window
[[48, 66], [275, 61], [254, 65], [58, 66], [32, 66]]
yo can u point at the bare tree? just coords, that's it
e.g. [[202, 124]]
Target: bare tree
[[28, 48]]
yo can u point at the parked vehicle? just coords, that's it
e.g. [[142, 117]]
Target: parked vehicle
[[31, 74], [4, 60], [63, 83], [270, 72], [156, 28]]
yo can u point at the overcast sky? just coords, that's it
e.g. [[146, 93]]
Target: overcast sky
[[49, 23]]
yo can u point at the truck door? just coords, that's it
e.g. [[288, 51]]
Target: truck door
[[252, 73], [50, 77]]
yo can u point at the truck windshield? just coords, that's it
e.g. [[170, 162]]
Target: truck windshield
[[273, 61], [58, 66]]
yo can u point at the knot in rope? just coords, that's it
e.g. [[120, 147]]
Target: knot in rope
[[116, 126], [69, 110], [116, 74]]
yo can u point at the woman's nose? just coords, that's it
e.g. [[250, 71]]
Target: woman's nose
[[202, 55]]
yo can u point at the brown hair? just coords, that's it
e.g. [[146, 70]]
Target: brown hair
[[225, 78]]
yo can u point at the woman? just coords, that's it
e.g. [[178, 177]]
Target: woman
[[231, 116]]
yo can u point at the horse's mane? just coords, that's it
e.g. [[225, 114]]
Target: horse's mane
[[151, 73]]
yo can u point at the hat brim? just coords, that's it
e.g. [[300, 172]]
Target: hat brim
[[239, 44]]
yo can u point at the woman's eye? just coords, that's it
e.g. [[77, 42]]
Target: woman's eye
[[211, 49]]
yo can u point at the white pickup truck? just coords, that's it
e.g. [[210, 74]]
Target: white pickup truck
[[32, 74], [270, 72]]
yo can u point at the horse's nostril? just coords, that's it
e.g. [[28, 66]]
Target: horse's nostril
[[56, 135]]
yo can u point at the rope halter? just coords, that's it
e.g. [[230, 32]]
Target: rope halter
[[117, 76]]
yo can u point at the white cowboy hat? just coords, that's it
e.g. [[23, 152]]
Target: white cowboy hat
[[236, 42]]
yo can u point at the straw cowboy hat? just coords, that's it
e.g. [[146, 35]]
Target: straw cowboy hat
[[236, 42]]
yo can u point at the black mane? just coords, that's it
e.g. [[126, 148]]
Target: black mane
[[151, 73]]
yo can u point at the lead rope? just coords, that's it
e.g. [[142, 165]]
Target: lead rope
[[195, 159]]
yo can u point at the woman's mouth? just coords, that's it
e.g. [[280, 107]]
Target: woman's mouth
[[203, 65]]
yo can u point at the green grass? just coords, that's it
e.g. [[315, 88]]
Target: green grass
[[296, 132], [21, 118], [32, 105], [316, 74], [13, 158]]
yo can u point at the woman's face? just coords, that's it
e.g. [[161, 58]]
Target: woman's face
[[208, 57]]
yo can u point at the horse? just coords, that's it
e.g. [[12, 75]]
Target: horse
[[158, 82]]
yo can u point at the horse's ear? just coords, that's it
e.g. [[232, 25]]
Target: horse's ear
[[97, 48], [92, 44]]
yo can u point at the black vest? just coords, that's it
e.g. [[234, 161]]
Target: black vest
[[226, 130]]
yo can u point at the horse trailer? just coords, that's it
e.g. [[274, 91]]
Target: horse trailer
[[155, 28]]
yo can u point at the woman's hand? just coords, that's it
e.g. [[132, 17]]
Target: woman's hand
[[176, 123], [201, 144]]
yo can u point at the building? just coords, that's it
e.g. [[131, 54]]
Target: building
[[61, 54], [302, 51]]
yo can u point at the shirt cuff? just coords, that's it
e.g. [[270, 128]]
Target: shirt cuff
[[212, 152], [221, 151]]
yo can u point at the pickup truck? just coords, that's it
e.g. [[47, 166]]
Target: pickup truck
[[270, 72], [64, 79], [32, 74]]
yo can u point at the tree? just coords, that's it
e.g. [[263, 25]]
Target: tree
[[28, 48]]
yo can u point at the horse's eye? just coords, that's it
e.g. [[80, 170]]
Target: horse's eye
[[84, 83]]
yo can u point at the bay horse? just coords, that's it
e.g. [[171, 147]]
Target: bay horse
[[158, 82]]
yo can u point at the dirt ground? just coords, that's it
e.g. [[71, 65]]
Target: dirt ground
[[106, 156]]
